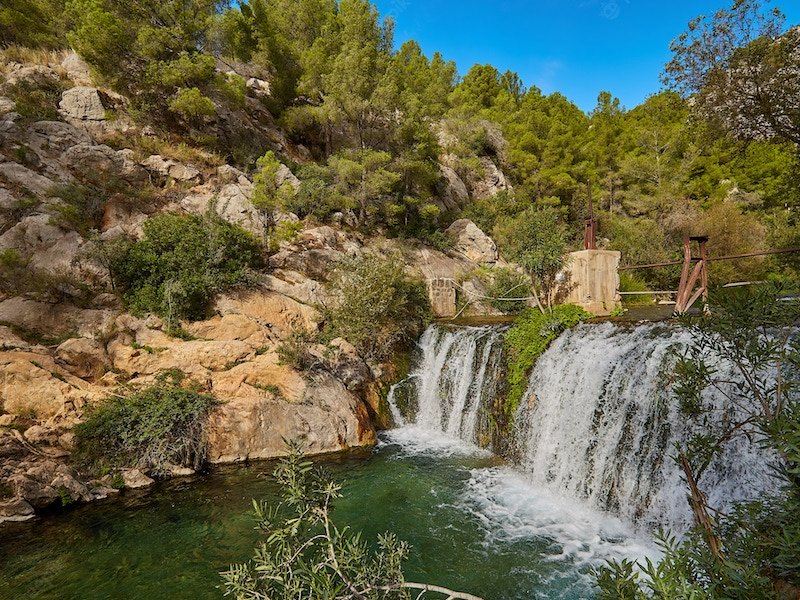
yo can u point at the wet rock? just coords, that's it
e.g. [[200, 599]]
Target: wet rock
[[15, 509]]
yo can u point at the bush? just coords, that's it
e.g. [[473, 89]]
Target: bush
[[191, 104], [151, 428], [632, 283], [37, 100], [182, 261], [377, 306], [528, 338], [507, 283]]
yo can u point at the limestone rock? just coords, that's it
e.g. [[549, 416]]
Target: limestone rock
[[135, 479], [55, 319], [259, 87], [492, 182], [328, 419], [455, 193], [297, 286], [83, 357], [47, 481], [33, 385], [170, 169], [279, 314], [15, 509], [285, 175], [25, 178], [470, 241], [77, 70], [93, 163], [82, 104], [7, 105]]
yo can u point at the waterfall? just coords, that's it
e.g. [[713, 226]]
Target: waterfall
[[456, 372], [599, 423]]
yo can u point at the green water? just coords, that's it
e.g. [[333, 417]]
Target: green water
[[474, 525]]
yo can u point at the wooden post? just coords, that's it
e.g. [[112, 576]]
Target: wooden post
[[687, 295]]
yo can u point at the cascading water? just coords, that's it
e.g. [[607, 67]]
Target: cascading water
[[457, 372], [598, 423]]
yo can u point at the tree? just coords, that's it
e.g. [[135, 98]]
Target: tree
[[376, 306], [743, 70], [536, 240], [752, 551], [305, 555]]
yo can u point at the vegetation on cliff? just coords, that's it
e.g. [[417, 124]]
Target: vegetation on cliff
[[389, 130], [181, 262], [154, 427], [529, 336]]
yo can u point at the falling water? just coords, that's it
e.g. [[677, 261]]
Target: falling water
[[599, 423], [456, 374]]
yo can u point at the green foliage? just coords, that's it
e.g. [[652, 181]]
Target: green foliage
[[37, 99], [632, 283], [537, 241], [191, 104], [294, 351], [376, 307], [181, 262], [506, 284], [150, 428], [32, 23], [305, 555], [528, 338]]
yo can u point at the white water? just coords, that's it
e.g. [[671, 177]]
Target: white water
[[456, 374], [596, 431], [599, 423]]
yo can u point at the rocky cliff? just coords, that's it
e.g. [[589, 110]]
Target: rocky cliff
[[66, 341]]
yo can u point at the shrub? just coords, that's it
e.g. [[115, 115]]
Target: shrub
[[528, 338], [632, 283], [150, 428], [182, 261], [37, 100], [507, 283], [191, 104], [294, 351], [377, 306]]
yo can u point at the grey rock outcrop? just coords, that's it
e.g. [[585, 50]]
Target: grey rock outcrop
[[82, 104], [472, 243]]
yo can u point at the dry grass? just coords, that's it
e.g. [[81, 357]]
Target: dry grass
[[144, 146], [32, 56]]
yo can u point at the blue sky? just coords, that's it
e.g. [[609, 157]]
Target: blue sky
[[576, 47]]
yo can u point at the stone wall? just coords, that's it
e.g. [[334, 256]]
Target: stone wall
[[591, 280]]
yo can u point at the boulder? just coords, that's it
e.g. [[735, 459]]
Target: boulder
[[44, 482], [83, 357], [7, 105], [472, 243], [23, 177], [285, 175], [54, 319], [170, 169], [259, 87], [455, 193], [93, 163], [82, 104], [15, 509], [279, 314], [328, 419], [32, 385], [135, 479], [77, 70], [491, 183]]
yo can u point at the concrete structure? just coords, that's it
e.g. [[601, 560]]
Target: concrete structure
[[591, 280], [442, 293]]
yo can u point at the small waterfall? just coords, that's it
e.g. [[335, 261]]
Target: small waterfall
[[599, 423], [456, 373]]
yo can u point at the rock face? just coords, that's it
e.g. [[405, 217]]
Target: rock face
[[82, 104], [469, 240]]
